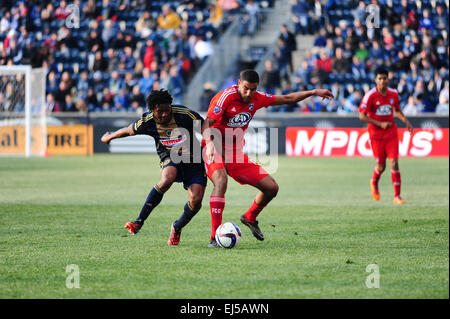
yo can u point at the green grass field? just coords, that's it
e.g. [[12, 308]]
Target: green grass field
[[322, 231]]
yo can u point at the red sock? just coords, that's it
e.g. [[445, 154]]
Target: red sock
[[253, 212], [216, 205], [396, 181], [376, 177]]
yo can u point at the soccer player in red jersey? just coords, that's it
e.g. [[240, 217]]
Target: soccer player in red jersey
[[377, 108], [228, 117]]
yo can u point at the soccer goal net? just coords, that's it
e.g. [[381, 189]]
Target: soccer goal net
[[22, 111]]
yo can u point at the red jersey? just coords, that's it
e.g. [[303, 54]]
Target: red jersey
[[380, 108], [233, 115]]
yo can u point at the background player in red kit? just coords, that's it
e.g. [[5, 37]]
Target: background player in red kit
[[228, 117], [377, 109]]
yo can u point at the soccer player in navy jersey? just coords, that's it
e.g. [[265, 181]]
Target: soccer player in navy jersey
[[172, 127]]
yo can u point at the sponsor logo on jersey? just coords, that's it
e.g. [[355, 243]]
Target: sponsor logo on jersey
[[233, 109], [268, 95], [171, 142], [385, 109], [240, 120], [251, 105], [217, 110]]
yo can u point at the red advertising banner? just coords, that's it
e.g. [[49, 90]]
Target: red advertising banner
[[311, 141]]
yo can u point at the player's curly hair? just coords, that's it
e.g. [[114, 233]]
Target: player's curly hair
[[158, 97]]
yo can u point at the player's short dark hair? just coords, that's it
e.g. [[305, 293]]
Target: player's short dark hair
[[251, 76], [158, 97], [381, 70]]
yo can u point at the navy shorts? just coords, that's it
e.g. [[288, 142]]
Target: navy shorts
[[188, 173]]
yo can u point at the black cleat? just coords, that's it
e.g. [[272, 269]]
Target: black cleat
[[253, 227], [213, 243]]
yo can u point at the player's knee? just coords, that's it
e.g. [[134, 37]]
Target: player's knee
[[394, 164], [220, 180], [166, 182], [272, 190]]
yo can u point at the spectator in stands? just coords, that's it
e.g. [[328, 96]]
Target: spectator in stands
[[324, 62], [146, 82], [412, 107], [112, 60], [300, 16], [115, 82], [215, 14], [340, 64], [52, 82], [321, 40], [251, 18], [137, 99], [303, 73], [51, 106], [145, 24], [352, 102], [283, 57], [270, 78], [175, 85], [168, 18], [100, 63], [121, 101], [443, 106], [107, 101], [95, 43], [291, 42], [206, 97], [317, 18], [91, 100], [426, 22], [90, 10], [69, 105], [203, 49], [440, 18]]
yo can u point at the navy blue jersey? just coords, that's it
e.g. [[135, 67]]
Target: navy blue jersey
[[176, 139]]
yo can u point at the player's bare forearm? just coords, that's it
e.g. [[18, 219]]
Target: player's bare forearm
[[299, 96], [403, 118], [123, 132], [206, 129]]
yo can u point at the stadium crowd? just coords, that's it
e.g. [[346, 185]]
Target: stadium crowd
[[117, 51], [108, 55], [410, 39]]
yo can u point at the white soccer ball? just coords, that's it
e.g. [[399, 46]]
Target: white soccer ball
[[228, 235]]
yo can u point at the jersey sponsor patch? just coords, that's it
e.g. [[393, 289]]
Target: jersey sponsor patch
[[240, 120], [171, 142], [384, 110]]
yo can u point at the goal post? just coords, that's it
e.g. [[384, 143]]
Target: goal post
[[22, 111]]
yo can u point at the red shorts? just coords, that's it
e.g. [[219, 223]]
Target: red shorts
[[241, 168], [386, 147]]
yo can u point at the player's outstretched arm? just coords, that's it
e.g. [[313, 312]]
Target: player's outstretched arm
[[299, 96], [403, 118], [123, 132]]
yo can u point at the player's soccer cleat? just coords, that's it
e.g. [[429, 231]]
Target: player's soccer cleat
[[133, 227], [398, 200], [213, 243], [174, 238], [253, 227], [374, 190]]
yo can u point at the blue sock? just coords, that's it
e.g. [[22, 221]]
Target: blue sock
[[185, 217], [153, 199]]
